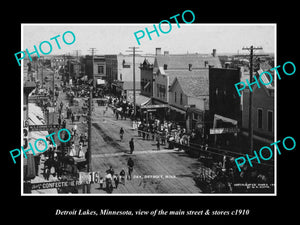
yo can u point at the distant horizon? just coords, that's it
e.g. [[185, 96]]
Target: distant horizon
[[153, 54]]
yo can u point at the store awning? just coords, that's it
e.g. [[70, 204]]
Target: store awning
[[225, 119], [36, 117], [141, 100], [155, 106], [177, 109]]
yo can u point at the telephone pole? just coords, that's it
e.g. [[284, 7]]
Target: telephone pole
[[133, 51], [251, 50], [93, 50], [89, 149]]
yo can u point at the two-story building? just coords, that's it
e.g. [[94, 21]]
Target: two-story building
[[120, 74], [189, 98], [167, 66], [224, 104], [95, 69], [263, 108]]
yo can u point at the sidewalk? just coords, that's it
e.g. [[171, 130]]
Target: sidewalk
[[53, 119]]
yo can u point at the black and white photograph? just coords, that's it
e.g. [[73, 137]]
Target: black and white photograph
[[128, 112], [144, 109]]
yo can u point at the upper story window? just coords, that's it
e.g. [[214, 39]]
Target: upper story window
[[181, 100], [100, 69]]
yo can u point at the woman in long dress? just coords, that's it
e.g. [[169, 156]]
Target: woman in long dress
[[72, 151]]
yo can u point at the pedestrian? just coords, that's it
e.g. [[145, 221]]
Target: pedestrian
[[144, 134], [101, 180], [81, 139], [64, 123], [75, 129], [121, 133], [116, 180], [59, 120], [147, 133], [130, 165], [110, 170], [73, 150], [131, 145], [80, 151], [72, 117], [108, 181], [122, 176], [157, 143]]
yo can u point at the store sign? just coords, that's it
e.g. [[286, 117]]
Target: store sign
[[100, 81], [43, 127], [224, 130], [55, 184], [33, 99], [89, 178]]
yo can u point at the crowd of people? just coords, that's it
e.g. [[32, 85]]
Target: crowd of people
[[122, 109], [61, 156], [225, 174]]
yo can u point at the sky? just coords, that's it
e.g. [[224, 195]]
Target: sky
[[116, 38]]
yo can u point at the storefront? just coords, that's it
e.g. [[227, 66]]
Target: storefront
[[140, 101], [225, 131], [177, 115], [31, 163], [152, 112]]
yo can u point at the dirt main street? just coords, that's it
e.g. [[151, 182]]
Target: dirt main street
[[155, 171]]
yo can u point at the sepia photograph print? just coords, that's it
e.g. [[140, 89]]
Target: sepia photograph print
[[175, 108]]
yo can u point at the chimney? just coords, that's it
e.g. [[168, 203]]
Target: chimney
[[214, 53], [158, 51], [166, 52]]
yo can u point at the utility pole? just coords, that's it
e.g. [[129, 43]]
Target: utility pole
[[133, 51], [93, 50], [42, 74], [251, 50], [89, 151], [53, 98]]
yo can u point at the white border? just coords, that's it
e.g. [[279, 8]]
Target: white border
[[156, 194]]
